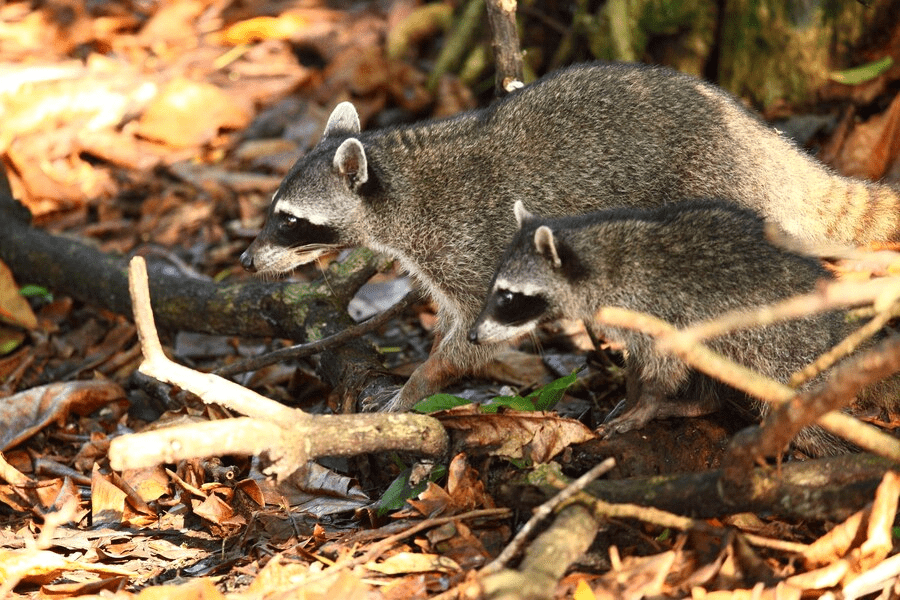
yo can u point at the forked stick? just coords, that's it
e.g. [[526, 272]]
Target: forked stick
[[289, 437]]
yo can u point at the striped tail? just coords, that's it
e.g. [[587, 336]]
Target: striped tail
[[858, 212]]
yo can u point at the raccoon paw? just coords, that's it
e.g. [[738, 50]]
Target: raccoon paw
[[623, 419], [385, 399]]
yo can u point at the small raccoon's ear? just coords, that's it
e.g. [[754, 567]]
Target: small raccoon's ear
[[350, 161], [546, 245], [521, 213], [343, 121]]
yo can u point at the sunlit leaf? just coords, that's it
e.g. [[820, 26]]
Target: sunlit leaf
[[862, 73]]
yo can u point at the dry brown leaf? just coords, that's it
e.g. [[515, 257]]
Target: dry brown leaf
[[109, 585], [215, 510], [257, 29], [781, 591], [200, 588], [253, 490], [282, 577], [433, 501], [516, 368], [413, 562], [872, 147], [46, 185], [14, 309], [26, 413], [107, 500], [45, 566], [537, 436], [187, 113], [172, 26], [465, 486]]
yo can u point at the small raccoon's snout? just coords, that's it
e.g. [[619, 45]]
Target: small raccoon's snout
[[473, 335], [247, 261]]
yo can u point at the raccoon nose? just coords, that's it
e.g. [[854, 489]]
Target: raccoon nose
[[473, 335], [247, 261]]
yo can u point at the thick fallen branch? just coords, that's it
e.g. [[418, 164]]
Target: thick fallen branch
[[288, 436], [71, 268], [547, 558], [827, 488]]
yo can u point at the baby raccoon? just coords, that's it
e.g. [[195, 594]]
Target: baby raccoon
[[683, 263], [437, 196]]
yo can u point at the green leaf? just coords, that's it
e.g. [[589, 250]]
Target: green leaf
[[546, 397], [862, 73], [439, 402], [513, 402], [9, 344], [543, 398], [400, 491], [35, 291]]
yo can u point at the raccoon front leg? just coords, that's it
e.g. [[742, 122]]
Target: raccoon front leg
[[651, 393], [428, 378], [450, 359]]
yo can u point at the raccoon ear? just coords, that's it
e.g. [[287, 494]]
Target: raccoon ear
[[521, 213], [350, 161], [343, 121], [546, 245]]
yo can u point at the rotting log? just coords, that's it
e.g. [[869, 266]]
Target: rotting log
[[826, 488]]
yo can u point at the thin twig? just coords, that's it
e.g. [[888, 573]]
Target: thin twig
[[542, 512], [845, 347], [332, 341], [840, 294]]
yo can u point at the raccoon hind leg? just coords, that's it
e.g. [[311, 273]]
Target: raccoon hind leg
[[654, 394]]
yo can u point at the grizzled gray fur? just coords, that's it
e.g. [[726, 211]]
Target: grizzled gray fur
[[684, 263], [438, 195]]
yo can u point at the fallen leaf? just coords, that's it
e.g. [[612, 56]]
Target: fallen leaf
[[14, 309], [413, 562], [26, 413], [538, 436], [872, 147], [188, 114], [257, 29], [107, 500], [45, 566]]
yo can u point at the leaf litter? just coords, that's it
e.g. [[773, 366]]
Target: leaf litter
[[165, 129]]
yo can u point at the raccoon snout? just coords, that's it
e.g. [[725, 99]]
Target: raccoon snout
[[247, 261], [473, 335]]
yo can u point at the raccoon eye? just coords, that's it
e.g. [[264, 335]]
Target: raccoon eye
[[289, 221], [504, 299]]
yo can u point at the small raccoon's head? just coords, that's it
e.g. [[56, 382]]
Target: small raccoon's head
[[527, 286], [311, 214]]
